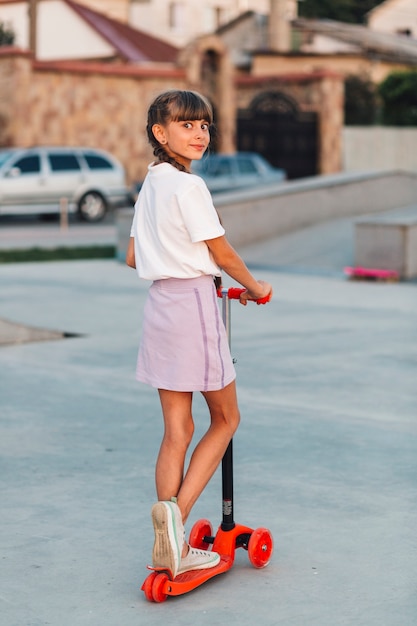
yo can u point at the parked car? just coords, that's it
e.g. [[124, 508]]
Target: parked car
[[223, 172], [34, 180]]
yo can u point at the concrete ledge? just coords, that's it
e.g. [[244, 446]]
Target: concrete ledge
[[254, 215], [388, 241], [250, 216]]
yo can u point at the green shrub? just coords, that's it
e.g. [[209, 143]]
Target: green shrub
[[361, 103], [58, 254], [398, 94], [6, 35]]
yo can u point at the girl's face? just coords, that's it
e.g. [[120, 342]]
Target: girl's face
[[185, 141]]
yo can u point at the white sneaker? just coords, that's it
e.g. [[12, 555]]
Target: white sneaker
[[198, 559], [169, 536]]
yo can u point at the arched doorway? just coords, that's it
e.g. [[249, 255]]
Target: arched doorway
[[274, 126]]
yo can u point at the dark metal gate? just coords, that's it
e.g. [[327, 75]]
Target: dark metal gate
[[287, 137]]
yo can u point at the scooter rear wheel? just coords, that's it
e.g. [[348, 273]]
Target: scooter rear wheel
[[260, 547]]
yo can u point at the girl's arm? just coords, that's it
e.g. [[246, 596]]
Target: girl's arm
[[130, 254], [228, 260]]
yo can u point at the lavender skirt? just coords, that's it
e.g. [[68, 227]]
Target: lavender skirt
[[184, 344]]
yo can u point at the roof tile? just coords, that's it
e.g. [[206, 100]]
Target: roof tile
[[132, 45]]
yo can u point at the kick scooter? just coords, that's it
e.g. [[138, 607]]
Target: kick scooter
[[259, 543]]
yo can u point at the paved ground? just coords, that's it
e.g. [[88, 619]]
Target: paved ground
[[326, 455], [29, 232]]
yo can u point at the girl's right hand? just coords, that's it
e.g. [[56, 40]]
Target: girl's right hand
[[264, 291]]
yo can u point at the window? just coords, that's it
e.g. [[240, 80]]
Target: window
[[97, 162], [218, 16], [177, 16], [29, 164], [246, 166], [214, 17], [222, 168], [4, 156], [407, 32], [63, 162]]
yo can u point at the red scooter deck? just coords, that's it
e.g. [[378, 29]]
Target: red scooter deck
[[158, 585]]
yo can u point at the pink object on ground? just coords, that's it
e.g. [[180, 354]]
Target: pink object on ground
[[369, 272]]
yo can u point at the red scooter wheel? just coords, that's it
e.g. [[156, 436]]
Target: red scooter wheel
[[147, 586], [201, 529], [158, 593], [260, 547]]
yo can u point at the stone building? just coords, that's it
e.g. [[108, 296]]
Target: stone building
[[176, 21], [101, 97], [305, 45], [275, 81]]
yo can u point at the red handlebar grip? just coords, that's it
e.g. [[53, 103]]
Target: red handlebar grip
[[233, 293]]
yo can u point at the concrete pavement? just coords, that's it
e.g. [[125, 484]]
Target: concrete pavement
[[326, 455], [26, 233]]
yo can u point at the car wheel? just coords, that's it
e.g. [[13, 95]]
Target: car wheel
[[92, 207]]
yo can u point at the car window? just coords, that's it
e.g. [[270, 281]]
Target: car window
[[246, 166], [222, 168], [4, 156], [63, 162], [97, 162], [201, 167], [28, 164]]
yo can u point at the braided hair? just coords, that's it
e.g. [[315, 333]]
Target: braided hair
[[175, 106]]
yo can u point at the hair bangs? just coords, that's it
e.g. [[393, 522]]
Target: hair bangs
[[188, 105]]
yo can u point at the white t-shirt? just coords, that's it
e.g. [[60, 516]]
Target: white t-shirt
[[174, 216]]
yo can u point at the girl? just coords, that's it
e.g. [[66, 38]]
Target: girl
[[177, 242]]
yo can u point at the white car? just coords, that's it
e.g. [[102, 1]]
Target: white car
[[33, 181]]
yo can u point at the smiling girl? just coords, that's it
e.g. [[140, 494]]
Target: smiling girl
[[178, 243]]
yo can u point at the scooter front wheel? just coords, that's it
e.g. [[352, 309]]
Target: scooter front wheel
[[158, 586], [260, 547], [147, 586], [201, 529]]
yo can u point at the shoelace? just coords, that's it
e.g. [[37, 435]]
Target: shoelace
[[197, 552]]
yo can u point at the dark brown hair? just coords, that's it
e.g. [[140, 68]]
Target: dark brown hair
[[175, 106]]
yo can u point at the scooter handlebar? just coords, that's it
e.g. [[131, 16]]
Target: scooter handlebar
[[234, 293]]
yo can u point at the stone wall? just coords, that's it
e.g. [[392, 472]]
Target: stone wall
[[15, 67], [77, 103], [374, 69]]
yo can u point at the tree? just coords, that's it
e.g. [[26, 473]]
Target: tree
[[361, 102], [398, 93], [6, 35], [340, 10]]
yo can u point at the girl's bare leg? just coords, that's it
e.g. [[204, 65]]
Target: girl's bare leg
[[179, 429], [224, 414]]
